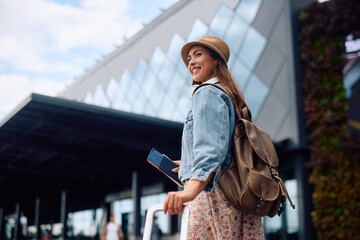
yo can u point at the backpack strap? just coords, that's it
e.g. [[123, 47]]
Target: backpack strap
[[245, 113], [275, 175], [241, 112], [284, 192]]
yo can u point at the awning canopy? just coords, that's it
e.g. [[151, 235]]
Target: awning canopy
[[49, 144]]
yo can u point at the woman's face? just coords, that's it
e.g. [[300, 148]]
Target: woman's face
[[200, 64]]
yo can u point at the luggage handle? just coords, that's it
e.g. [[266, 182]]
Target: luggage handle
[[150, 221]]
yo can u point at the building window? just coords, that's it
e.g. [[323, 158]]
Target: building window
[[199, 29], [235, 35], [248, 9], [240, 73], [221, 21], [252, 48], [255, 95]]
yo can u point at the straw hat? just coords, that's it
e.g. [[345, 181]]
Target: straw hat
[[214, 43]]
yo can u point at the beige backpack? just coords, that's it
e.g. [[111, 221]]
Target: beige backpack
[[252, 183]]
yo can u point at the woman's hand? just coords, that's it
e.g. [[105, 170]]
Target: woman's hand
[[175, 200], [178, 162]]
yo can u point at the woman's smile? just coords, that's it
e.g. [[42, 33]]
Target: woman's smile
[[200, 64]]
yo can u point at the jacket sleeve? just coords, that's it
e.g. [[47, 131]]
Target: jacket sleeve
[[211, 124]]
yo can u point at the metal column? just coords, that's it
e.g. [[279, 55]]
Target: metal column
[[17, 221], [37, 218], [63, 215], [136, 194]]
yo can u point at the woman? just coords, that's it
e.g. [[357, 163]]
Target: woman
[[112, 231], [206, 147]]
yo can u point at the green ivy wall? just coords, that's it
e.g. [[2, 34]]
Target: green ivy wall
[[334, 157]]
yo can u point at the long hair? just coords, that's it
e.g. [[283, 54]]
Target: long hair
[[226, 79]]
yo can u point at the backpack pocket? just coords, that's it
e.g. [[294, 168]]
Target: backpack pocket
[[260, 194]]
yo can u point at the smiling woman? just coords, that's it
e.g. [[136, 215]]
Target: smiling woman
[[206, 147]]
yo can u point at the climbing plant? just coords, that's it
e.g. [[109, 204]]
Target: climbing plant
[[335, 157]]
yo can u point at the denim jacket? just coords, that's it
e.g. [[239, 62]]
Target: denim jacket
[[207, 136]]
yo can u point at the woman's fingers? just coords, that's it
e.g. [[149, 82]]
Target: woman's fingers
[[171, 206], [173, 203], [169, 203], [166, 204], [175, 170], [178, 206]]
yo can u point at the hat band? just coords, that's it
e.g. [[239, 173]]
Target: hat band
[[212, 44]]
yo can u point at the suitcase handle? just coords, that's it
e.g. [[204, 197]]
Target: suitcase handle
[[150, 221]]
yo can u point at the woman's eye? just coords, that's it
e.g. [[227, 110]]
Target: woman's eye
[[198, 54]]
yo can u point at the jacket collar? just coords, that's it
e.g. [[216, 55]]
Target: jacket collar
[[193, 87]]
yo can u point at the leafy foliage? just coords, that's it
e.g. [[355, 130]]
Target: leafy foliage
[[335, 158]]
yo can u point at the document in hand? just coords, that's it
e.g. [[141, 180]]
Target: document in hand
[[164, 164]]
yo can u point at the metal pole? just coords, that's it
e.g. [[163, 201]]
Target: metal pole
[[17, 221], [63, 216], [158, 208], [136, 204], [37, 218]]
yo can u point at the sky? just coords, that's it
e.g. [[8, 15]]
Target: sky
[[46, 44]]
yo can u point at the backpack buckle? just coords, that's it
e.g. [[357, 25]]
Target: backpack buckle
[[281, 208], [260, 203]]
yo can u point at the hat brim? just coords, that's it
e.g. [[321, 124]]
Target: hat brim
[[186, 49]]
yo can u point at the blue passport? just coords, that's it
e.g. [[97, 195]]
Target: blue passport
[[164, 165]]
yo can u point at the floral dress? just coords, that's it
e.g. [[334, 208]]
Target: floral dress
[[212, 217], [206, 148]]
